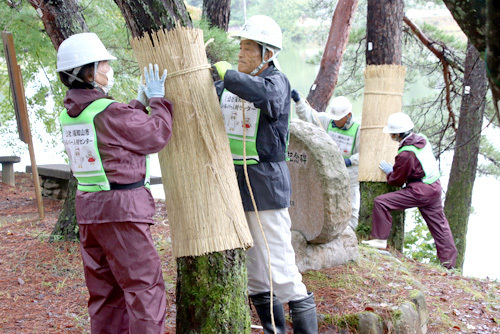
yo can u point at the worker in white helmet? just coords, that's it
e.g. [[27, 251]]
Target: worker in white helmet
[[108, 144], [417, 169], [263, 92], [340, 124]]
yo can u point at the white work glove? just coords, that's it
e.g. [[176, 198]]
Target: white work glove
[[385, 166], [155, 86], [141, 95]]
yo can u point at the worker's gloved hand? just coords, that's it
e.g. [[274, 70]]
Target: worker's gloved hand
[[141, 95], [385, 167], [347, 162], [221, 67], [155, 86], [295, 96]]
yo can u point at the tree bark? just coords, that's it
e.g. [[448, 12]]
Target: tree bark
[[384, 47], [493, 52], [471, 17], [479, 20], [211, 289], [384, 32], [62, 19], [322, 89], [463, 170], [208, 293], [147, 16], [66, 227], [217, 12]]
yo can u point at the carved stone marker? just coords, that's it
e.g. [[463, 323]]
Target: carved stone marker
[[320, 205]]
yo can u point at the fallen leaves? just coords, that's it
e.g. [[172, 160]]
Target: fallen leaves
[[42, 288]]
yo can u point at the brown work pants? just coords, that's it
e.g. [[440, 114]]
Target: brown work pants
[[428, 200], [124, 278]]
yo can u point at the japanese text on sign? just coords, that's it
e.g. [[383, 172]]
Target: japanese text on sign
[[297, 157]]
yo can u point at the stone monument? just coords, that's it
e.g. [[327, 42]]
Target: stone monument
[[320, 205]]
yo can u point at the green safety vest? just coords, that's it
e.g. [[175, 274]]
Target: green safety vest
[[426, 159], [231, 106], [345, 139], [80, 142]]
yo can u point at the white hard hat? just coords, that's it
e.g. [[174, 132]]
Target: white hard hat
[[81, 49], [263, 30], [340, 107], [398, 123]]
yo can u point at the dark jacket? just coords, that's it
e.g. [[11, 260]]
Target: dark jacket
[[270, 92], [125, 135]]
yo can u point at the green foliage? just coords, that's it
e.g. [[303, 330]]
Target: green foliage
[[34, 53], [221, 47], [418, 243], [491, 165], [37, 58], [287, 14]]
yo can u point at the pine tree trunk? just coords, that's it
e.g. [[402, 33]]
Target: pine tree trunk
[[463, 170], [61, 19], [66, 227], [479, 19], [217, 12], [326, 80], [493, 51], [209, 293], [384, 31], [211, 289], [146, 16], [471, 17]]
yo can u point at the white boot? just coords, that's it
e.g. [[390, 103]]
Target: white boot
[[377, 243]]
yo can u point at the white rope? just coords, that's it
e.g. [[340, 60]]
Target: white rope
[[257, 215]]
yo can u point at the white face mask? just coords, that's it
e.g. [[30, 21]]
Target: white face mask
[[111, 80]]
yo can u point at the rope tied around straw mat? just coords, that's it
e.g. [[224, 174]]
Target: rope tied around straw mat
[[188, 70], [257, 215], [372, 127], [383, 93]]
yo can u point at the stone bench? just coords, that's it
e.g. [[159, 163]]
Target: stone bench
[[55, 178], [8, 169]]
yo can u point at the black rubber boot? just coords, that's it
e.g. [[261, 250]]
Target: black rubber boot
[[262, 303], [303, 313]]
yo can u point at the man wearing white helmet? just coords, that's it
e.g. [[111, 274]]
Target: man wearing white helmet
[[416, 167], [340, 124], [263, 92], [108, 144]]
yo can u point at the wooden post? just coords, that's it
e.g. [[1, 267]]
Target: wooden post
[[23, 124]]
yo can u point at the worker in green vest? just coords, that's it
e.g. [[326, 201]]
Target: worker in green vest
[[340, 124], [255, 103], [108, 144], [417, 171]]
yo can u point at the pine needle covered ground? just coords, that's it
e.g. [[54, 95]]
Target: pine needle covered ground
[[42, 288]]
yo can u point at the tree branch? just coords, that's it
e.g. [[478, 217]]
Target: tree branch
[[446, 63]]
